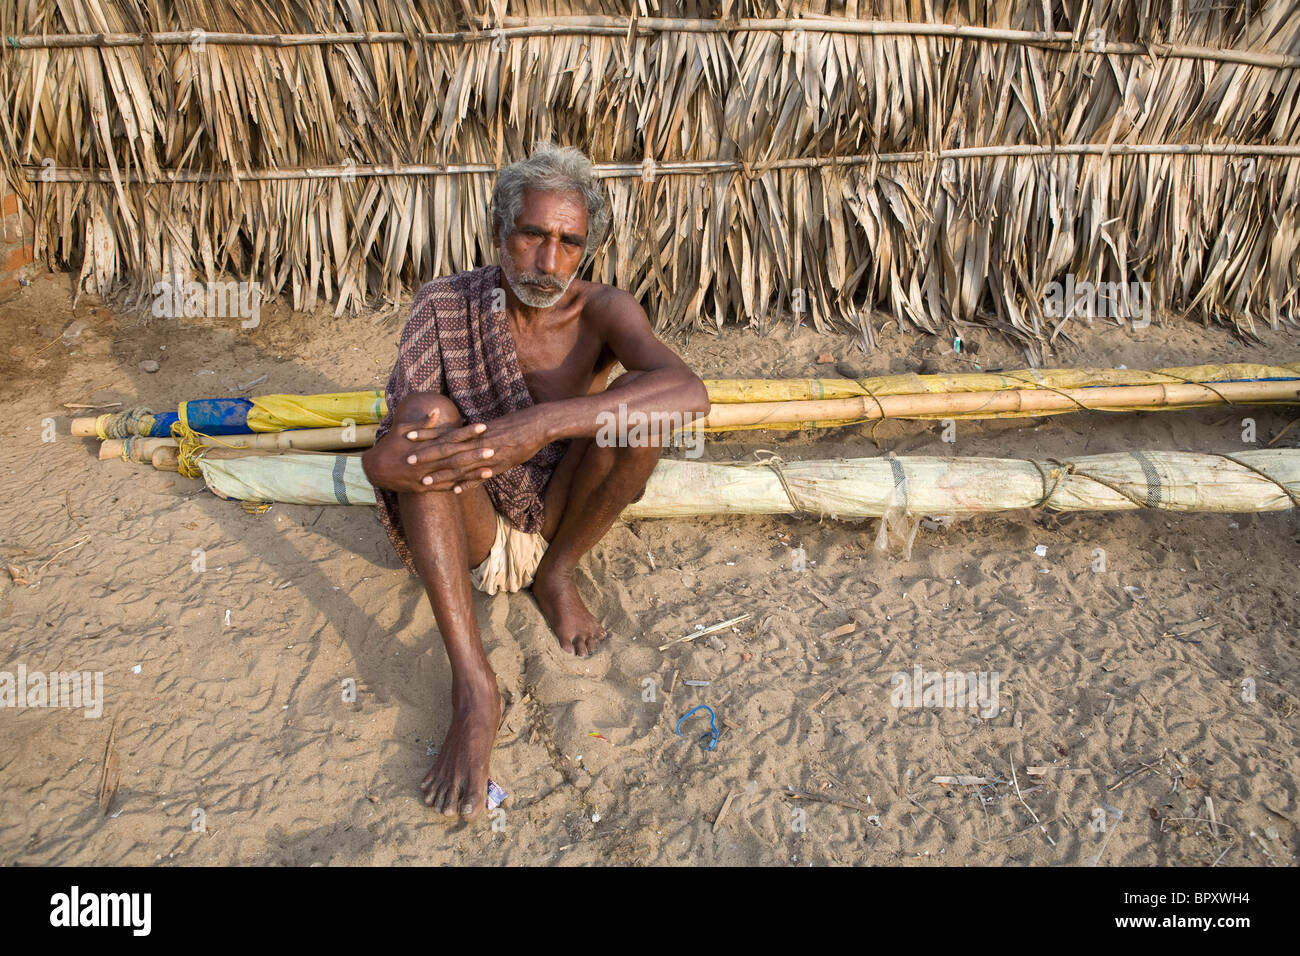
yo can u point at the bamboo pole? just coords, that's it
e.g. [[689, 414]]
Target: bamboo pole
[[196, 38], [1091, 42], [167, 457], [71, 174], [299, 439], [866, 408], [646, 27], [140, 449]]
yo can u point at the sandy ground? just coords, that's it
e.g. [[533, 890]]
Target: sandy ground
[[233, 743]]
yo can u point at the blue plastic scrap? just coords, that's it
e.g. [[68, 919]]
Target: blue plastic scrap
[[711, 736]]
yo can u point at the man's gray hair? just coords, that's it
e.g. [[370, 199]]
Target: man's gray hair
[[550, 168]]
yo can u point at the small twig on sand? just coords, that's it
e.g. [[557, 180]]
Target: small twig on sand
[[822, 798], [722, 811], [1141, 768], [1016, 784], [67, 502], [946, 825], [824, 698], [1021, 798], [1279, 435], [108, 775], [704, 632], [70, 547]]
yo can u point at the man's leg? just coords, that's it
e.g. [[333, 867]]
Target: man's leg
[[447, 534], [590, 488]]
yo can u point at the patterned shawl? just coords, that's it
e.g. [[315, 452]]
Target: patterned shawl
[[455, 343]]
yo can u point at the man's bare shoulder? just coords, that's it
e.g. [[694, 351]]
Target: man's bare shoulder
[[607, 303]]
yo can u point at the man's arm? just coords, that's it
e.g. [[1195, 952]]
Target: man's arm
[[387, 464], [666, 387]]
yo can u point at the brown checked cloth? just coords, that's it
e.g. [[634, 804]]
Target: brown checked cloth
[[457, 345]]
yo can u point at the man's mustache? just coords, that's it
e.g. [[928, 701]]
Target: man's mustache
[[541, 282]]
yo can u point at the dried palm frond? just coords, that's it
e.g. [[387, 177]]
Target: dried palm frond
[[941, 162]]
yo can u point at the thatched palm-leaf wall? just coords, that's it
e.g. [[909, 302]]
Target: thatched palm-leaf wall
[[279, 147]]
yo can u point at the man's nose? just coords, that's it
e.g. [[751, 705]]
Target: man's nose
[[547, 257]]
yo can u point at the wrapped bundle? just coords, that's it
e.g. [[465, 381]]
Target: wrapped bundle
[[234, 416], [1263, 480]]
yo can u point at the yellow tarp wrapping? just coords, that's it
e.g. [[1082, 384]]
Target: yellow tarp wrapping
[[745, 390], [272, 413], [276, 413]]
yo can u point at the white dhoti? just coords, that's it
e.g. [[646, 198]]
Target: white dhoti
[[512, 562]]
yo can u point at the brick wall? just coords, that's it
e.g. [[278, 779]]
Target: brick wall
[[16, 261]]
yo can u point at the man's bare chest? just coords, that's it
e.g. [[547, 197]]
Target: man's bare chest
[[557, 363]]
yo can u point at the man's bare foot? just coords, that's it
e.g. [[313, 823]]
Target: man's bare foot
[[557, 596], [457, 781]]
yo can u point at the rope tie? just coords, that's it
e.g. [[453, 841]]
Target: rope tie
[[1049, 388], [1107, 484], [862, 383], [191, 444], [1187, 381], [132, 421], [1062, 470], [777, 464]]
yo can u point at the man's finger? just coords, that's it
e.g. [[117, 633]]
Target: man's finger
[[443, 455], [457, 462], [465, 484], [418, 434], [447, 480]]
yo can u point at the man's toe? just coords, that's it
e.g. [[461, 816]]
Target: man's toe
[[440, 798], [448, 805]]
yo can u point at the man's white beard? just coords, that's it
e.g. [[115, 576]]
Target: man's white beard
[[532, 296]]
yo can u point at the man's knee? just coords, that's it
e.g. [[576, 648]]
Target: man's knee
[[641, 454], [418, 406]]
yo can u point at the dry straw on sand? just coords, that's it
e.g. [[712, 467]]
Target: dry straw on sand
[[943, 161]]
